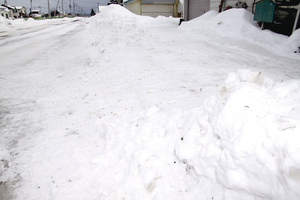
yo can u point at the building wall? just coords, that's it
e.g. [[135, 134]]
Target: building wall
[[3, 13], [198, 8], [155, 10], [214, 4], [134, 7], [163, 8]]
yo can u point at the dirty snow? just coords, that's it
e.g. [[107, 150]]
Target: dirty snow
[[120, 106]]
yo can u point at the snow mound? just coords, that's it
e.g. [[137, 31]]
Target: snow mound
[[247, 139], [293, 42], [237, 26], [115, 12], [242, 144], [30, 20], [3, 23], [118, 13], [18, 22], [232, 22]]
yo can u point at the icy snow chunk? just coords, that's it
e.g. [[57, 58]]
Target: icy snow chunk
[[252, 139]]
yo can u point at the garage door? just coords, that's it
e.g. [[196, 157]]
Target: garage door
[[197, 8], [155, 10]]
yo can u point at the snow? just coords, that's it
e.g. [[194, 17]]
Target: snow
[[120, 106], [251, 124]]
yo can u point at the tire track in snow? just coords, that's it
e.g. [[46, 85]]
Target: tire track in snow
[[22, 118]]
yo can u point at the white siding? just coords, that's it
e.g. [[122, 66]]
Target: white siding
[[154, 10], [198, 8], [134, 7]]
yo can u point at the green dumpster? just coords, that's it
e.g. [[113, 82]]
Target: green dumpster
[[264, 11]]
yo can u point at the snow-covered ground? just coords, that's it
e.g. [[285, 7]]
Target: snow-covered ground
[[120, 106]]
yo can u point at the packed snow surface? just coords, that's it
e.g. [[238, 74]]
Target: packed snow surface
[[120, 106]]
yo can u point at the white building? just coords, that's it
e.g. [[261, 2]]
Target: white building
[[21, 11], [13, 11], [4, 12], [153, 8]]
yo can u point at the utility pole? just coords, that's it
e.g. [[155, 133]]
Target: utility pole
[[5, 2], [62, 7], [30, 5], [40, 7], [74, 7], [49, 13], [56, 8]]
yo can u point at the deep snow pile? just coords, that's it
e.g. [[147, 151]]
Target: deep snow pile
[[237, 25], [246, 139], [242, 143]]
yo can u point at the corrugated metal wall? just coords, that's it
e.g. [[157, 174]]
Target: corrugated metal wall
[[156, 10], [197, 8]]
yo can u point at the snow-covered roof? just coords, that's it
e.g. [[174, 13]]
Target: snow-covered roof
[[9, 7], [128, 1], [20, 7], [2, 8]]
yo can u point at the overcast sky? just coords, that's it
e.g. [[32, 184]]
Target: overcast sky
[[86, 5]]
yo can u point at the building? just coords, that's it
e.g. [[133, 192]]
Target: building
[[153, 8], [14, 12], [4, 12], [21, 11], [195, 8]]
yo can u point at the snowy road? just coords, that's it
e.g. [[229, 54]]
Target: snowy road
[[110, 107], [30, 61]]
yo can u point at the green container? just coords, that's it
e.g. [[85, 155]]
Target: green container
[[264, 11]]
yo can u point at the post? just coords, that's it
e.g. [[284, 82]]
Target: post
[[56, 8], [74, 7], [186, 10], [62, 7], [49, 12], [296, 20]]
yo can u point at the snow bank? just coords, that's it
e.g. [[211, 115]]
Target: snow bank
[[236, 25], [293, 42], [232, 23], [119, 13], [247, 139], [131, 29], [3, 23], [243, 143], [115, 12]]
